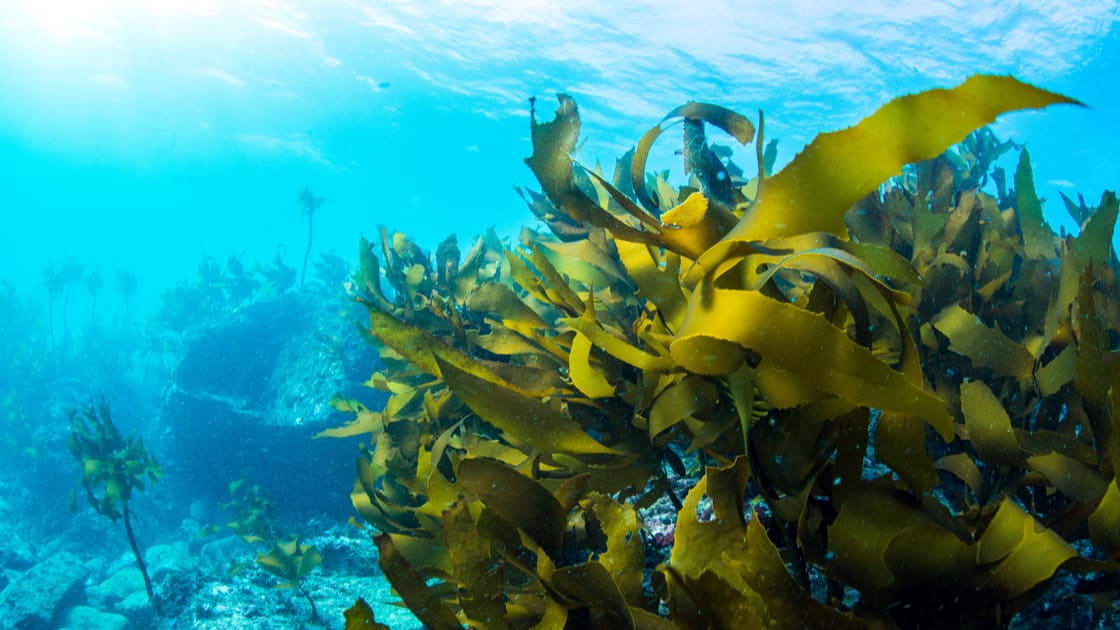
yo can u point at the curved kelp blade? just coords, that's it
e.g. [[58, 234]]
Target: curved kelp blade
[[624, 556], [519, 500], [473, 561], [787, 604], [723, 324], [551, 162], [521, 418], [985, 346], [410, 585], [736, 125], [1028, 552], [360, 617], [837, 169]]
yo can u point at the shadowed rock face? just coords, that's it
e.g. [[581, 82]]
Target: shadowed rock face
[[34, 600], [252, 390]]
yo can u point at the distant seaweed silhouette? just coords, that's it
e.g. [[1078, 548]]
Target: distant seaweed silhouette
[[310, 204]]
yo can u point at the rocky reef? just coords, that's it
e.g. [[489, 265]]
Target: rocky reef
[[262, 380]]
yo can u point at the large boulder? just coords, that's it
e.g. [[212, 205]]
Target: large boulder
[[217, 555], [117, 587], [34, 600], [164, 559], [15, 552], [86, 618], [251, 391]]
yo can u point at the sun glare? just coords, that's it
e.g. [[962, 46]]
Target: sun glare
[[91, 19]]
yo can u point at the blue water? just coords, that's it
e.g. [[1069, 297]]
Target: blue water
[[145, 135]]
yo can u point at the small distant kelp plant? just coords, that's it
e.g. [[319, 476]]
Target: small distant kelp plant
[[292, 561], [309, 203], [113, 468], [251, 511], [902, 387]]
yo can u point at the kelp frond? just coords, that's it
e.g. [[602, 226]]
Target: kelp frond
[[913, 381]]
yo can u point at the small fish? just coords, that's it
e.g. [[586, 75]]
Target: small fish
[[383, 85]]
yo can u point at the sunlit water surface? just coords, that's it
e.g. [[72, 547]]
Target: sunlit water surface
[[144, 135]]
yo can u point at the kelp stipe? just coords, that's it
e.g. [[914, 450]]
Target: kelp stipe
[[855, 341]]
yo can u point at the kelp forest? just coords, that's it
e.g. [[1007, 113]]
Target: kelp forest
[[872, 389]]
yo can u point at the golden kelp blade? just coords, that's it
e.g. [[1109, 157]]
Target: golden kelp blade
[[736, 125], [553, 143], [624, 555], [799, 341], [521, 418], [699, 546], [590, 584], [989, 428], [410, 585], [1069, 476], [1104, 523], [869, 535], [696, 225], [585, 376], [764, 571], [551, 162], [986, 347], [1029, 552], [360, 617], [365, 421], [837, 169], [473, 563], [519, 500], [1038, 240]]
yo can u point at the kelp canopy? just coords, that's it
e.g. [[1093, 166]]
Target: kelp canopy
[[903, 387]]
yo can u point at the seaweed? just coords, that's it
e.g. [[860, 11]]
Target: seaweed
[[54, 280], [252, 520], [292, 561], [251, 513], [94, 284], [901, 387], [309, 203], [113, 468], [360, 617], [127, 283]]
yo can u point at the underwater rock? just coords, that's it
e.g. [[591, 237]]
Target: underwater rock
[[33, 599], [135, 606], [174, 597], [218, 606], [217, 554], [202, 510], [252, 389], [214, 596], [87, 618], [346, 550], [15, 554], [334, 594], [164, 559], [116, 587]]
